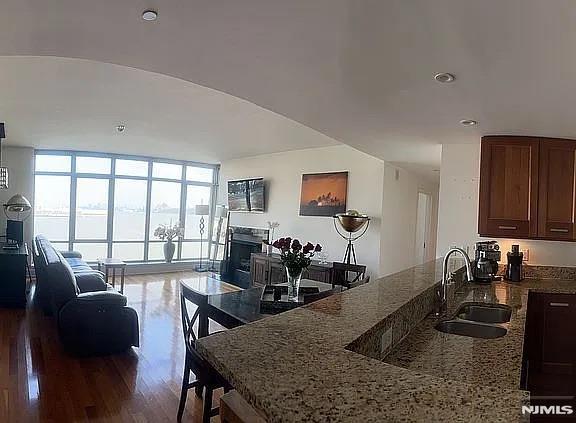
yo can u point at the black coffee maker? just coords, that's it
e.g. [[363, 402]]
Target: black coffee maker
[[514, 269], [487, 256]]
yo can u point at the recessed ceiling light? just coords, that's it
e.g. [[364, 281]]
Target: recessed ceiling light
[[150, 15], [468, 122], [444, 77], [120, 128]]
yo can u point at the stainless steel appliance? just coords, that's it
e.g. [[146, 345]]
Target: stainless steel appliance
[[514, 269], [487, 256]]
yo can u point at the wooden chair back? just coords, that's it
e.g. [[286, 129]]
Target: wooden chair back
[[190, 336], [344, 274]]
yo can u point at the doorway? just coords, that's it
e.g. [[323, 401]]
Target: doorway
[[423, 217]]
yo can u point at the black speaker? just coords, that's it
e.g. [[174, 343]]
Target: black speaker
[[15, 231], [2, 133]]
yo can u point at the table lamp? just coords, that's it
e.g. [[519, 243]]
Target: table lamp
[[17, 209], [202, 210]]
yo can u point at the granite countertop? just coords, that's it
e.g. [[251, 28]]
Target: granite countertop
[[482, 362], [323, 362]]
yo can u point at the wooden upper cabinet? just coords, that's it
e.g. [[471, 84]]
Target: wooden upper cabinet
[[528, 188], [557, 188], [509, 187]]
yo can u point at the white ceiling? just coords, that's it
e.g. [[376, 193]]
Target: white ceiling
[[359, 71], [62, 103]]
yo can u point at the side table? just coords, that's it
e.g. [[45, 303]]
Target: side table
[[113, 264]]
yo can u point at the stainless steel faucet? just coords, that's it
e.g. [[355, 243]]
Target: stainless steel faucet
[[444, 287]]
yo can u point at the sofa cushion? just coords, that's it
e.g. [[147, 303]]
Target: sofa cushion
[[71, 254], [90, 281], [78, 265]]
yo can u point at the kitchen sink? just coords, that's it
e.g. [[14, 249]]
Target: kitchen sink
[[471, 329], [485, 313]]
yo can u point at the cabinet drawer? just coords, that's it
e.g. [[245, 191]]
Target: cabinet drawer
[[558, 230], [508, 228]]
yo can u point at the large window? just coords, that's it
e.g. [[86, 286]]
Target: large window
[[109, 206]]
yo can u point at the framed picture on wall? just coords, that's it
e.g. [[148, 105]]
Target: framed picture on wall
[[323, 194]]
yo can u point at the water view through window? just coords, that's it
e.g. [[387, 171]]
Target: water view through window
[[109, 206]]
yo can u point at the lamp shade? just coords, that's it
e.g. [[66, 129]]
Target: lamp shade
[[202, 210], [18, 204]]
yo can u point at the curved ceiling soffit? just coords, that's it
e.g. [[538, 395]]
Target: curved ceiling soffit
[[271, 124]]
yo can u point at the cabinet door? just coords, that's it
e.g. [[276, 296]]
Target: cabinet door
[[259, 270], [559, 334], [508, 187], [277, 272], [318, 273], [556, 197]]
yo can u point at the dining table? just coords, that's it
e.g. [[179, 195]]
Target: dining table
[[231, 309]]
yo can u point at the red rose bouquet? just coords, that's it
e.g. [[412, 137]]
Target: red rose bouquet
[[295, 256]]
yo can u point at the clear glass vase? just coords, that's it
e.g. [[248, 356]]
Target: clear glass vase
[[294, 276]]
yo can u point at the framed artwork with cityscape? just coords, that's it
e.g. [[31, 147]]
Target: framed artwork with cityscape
[[323, 194]]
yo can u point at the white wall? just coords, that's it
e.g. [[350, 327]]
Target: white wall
[[387, 247], [458, 199], [458, 210], [283, 175], [20, 164], [399, 216]]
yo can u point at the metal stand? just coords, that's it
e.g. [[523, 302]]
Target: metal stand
[[350, 253], [199, 268]]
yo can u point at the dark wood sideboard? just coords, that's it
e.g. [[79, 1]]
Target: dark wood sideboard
[[268, 269], [13, 276]]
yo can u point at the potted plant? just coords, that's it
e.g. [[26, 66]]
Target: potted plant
[[295, 258], [168, 233]]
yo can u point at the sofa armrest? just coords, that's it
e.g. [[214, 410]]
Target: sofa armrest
[[71, 254], [97, 323], [109, 298], [90, 281]]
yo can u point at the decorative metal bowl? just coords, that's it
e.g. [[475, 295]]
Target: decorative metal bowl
[[352, 222]]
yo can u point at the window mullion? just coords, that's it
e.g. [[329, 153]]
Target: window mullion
[[148, 206], [183, 195], [111, 191], [72, 221]]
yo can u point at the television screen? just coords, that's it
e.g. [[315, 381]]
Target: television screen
[[246, 195]]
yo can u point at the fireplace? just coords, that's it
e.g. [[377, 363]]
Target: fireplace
[[242, 243]]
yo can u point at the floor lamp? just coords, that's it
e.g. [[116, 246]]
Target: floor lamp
[[202, 210]]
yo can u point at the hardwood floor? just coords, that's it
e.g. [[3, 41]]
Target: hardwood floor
[[40, 382]]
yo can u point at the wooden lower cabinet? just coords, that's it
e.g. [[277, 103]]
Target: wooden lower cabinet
[[549, 370], [551, 333], [277, 272], [259, 270], [269, 270]]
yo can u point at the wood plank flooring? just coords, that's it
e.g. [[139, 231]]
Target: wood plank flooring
[[39, 382]]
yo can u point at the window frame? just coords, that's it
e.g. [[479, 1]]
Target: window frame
[[112, 177]]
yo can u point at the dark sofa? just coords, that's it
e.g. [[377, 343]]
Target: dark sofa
[[92, 317]]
